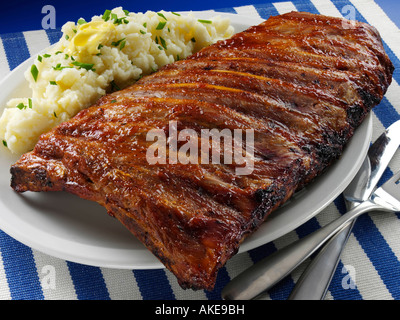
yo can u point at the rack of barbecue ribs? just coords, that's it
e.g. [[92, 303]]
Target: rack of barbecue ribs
[[302, 83]]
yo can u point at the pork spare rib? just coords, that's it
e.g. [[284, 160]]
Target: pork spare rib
[[302, 82]]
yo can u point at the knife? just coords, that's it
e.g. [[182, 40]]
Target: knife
[[314, 282], [257, 279]]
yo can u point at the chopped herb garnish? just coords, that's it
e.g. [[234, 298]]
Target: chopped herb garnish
[[156, 40], [100, 46], [66, 37], [58, 52], [114, 16], [39, 58], [74, 30], [66, 56], [81, 21], [163, 43], [145, 24], [177, 14], [55, 114], [53, 83], [117, 43], [113, 101], [106, 15], [143, 32], [204, 21], [193, 39], [161, 15], [161, 25], [87, 66], [21, 106], [177, 57], [47, 55], [114, 86], [126, 12], [59, 67], [34, 72], [5, 143], [30, 103], [122, 45]]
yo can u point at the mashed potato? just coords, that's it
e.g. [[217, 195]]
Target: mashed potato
[[110, 52]]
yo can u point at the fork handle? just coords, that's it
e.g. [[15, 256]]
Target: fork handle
[[314, 281], [267, 272]]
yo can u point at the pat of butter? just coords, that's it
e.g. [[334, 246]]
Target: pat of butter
[[89, 36]]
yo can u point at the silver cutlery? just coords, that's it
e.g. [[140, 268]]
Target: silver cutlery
[[314, 281], [267, 272]]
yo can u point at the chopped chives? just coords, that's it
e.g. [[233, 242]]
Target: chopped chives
[[5, 143], [193, 39], [34, 72], [161, 15], [21, 106], [204, 21], [122, 45], [115, 86], [142, 32], [81, 21], [39, 58], [48, 55], [177, 14], [117, 43], [126, 12], [66, 37], [106, 15], [30, 103], [53, 83], [163, 43], [55, 114], [161, 25], [145, 24], [87, 66]]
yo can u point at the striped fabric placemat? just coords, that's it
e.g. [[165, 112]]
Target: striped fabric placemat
[[369, 267]]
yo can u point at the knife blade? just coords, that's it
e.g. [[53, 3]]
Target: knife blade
[[315, 280]]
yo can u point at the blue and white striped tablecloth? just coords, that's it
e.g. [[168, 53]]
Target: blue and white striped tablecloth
[[371, 258]]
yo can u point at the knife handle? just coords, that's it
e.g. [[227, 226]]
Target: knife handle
[[314, 282]]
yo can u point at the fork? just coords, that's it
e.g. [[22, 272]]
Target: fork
[[267, 272]]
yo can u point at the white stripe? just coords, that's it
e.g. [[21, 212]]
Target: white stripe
[[47, 267], [392, 94], [367, 279], [326, 7], [181, 294], [121, 284], [4, 67], [247, 11], [4, 289], [36, 41], [284, 7], [378, 18]]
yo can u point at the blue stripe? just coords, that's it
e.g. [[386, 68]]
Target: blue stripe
[[222, 280], [337, 290], [147, 278], [308, 227], [15, 48], [386, 113], [266, 10], [20, 269], [54, 35], [305, 6], [228, 10], [281, 290], [88, 282]]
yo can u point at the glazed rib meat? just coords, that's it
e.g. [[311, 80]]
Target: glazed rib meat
[[302, 82]]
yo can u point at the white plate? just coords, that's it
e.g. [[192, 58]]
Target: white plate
[[67, 227]]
